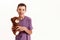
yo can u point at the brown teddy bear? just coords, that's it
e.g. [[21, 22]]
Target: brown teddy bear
[[15, 22]]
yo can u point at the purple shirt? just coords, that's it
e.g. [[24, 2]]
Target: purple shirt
[[23, 35]]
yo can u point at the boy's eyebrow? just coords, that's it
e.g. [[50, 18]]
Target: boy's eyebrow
[[19, 9]]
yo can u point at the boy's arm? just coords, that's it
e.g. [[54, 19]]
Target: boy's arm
[[27, 30]]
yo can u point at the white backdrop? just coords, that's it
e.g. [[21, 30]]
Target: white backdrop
[[45, 16]]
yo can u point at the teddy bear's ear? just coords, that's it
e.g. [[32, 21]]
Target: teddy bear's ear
[[13, 19]]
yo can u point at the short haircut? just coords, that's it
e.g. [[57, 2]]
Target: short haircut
[[21, 4]]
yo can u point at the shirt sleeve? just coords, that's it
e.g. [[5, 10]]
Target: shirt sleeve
[[30, 24]]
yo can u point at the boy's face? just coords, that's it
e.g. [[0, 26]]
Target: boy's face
[[21, 10]]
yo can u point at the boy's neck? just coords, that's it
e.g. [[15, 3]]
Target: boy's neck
[[21, 17]]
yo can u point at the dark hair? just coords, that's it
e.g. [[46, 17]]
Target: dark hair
[[21, 4]]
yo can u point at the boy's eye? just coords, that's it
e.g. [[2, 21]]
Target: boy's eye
[[23, 9], [19, 9]]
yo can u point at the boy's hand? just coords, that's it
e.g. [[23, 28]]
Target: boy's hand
[[20, 28], [24, 28]]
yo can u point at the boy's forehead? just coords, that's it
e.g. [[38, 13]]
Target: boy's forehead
[[21, 7]]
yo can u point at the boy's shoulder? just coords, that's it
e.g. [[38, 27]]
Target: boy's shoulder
[[29, 18]]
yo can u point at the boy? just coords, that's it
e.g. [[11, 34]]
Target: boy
[[25, 25]]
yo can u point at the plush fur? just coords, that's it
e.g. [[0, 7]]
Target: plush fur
[[14, 24]]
